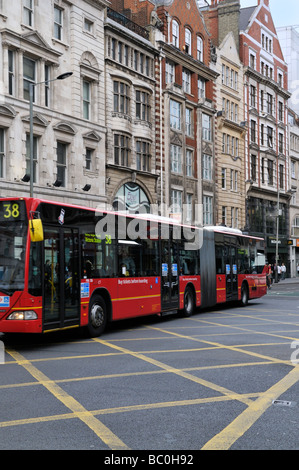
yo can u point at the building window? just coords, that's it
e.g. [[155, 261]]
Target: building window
[[28, 77], [61, 162], [280, 142], [201, 85], [28, 12], [262, 133], [120, 52], [189, 163], [121, 150], [270, 137], [126, 55], [86, 99], [175, 115], [58, 15], [121, 97], [206, 127], [143, 109], [223, 178], [176, 158], [252, 96], [169, 72], [270, 172], [35, 141], [207, 167], [188, 121], [199, 49], [269, 103], [176, 201], [188, 49], [189, 208], [223, 216], [293, 169], [281, 185], [141, 62], [253, 131], [113, 48], [88, 158], [253, 168], [280, 111], [186, 81], [11, 73], [2, 152], [175, 33], [47, 85], [143, 155], [88, 25], [207, 210]]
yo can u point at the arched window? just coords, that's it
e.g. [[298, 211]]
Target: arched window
[[188, 36], [175, 33], [132, 198], [199, 53]]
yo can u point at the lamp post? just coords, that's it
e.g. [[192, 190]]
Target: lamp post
[[31, 89], [277, 232]]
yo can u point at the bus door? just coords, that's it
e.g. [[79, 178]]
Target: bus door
[[231, 272], [169, 275], [61, 277]]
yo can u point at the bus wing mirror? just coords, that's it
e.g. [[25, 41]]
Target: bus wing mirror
[[36, 230]]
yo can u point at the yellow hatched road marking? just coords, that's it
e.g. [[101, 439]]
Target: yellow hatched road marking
[[179, 372], [237, 428], [79, 411]]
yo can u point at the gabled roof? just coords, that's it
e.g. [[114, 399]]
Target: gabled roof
[[245, 16]]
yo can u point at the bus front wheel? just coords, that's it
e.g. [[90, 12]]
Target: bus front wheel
[[97, 316]]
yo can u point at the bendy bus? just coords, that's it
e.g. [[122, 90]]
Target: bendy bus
[[65, 266]]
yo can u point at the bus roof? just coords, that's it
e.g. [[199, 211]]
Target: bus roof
[[145, 216]]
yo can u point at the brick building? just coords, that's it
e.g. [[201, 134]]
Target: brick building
[[185, 105], [266, 153]]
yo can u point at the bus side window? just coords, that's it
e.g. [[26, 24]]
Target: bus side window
[[150, 258], [220, 261]]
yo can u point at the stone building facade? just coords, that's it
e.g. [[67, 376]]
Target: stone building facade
[[39, 41], [223, 22]]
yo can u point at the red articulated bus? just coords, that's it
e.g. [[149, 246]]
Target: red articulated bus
[[64, 266]]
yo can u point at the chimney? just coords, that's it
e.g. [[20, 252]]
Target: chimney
[[228, 18]]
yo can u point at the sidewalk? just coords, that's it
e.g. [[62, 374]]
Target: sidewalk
[[286, 282]]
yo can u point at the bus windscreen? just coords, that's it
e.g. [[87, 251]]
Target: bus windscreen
[[13, 235]]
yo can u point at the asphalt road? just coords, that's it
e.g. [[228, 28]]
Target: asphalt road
[[226, 378]]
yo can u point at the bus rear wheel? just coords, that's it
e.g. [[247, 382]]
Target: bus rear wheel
[[189, 303], [97, 316], [244, 295]]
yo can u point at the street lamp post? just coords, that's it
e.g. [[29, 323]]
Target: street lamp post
[[31, 90], [277, 232]]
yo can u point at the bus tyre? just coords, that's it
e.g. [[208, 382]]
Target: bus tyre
[[244, 295], [97, 316], [189, 303]]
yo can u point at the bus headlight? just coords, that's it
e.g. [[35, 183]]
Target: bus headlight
[[23, 315]]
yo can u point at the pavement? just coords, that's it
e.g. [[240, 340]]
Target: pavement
[[288, 286]]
